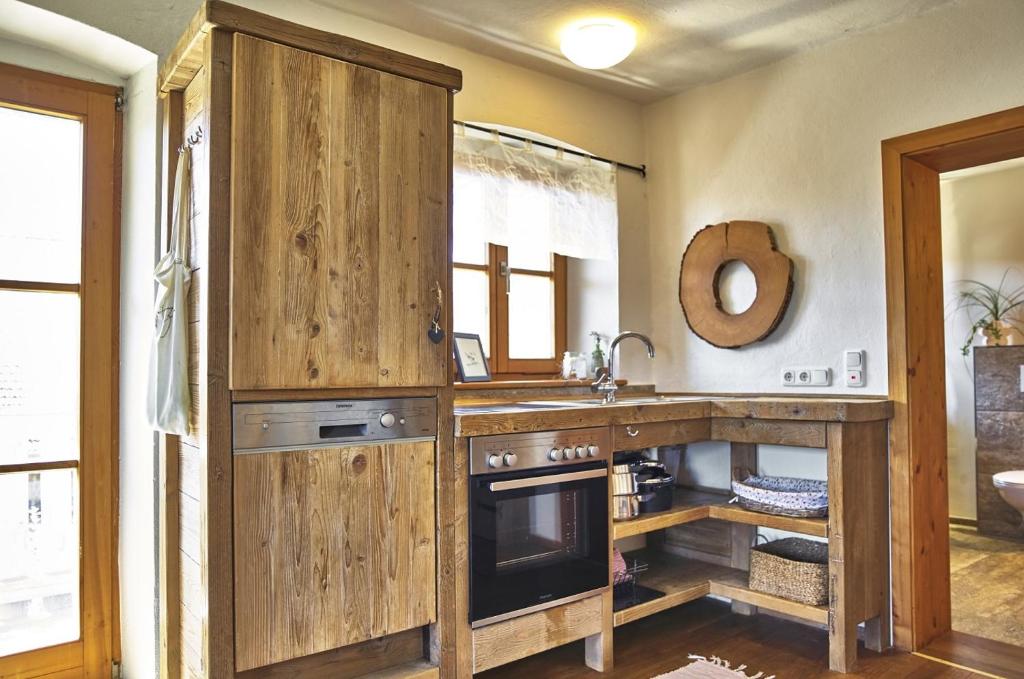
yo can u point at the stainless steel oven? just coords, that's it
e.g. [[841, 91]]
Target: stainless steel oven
[[538, 516]]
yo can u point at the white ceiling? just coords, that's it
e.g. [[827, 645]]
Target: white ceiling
[[682, 43]]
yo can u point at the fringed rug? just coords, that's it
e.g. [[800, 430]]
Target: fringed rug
[[713, 668]]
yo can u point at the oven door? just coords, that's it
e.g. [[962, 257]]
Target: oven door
[[537, 538]]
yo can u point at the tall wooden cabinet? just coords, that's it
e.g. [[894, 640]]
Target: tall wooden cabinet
[[320, 249], [339, 209]]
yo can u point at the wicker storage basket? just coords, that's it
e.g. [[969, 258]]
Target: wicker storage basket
[[782, 496], [792, 568]]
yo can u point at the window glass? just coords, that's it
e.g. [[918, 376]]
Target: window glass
[[39, 569], [39, 376], [472, 304], [40, 197], [531, 317]]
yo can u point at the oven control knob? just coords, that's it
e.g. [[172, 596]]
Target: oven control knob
[[554, 455], [592, 451], [510, 459], [580, 452], [566, 453], [493, 461], [387, 420]]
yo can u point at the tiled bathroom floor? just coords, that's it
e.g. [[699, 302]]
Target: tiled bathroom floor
[[987, 585]]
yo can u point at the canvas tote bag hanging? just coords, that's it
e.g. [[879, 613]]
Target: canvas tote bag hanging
[[169, 399]]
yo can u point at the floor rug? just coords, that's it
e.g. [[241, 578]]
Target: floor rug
[[713, 668]]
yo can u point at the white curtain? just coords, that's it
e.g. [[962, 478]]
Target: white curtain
[[518, 196]]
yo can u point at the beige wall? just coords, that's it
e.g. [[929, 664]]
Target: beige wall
[[796, 144], [982, 237]]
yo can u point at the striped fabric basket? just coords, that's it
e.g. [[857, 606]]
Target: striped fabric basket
[[782, 496]]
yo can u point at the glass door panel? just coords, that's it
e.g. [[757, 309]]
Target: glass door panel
[[40, 197], [41, 254]]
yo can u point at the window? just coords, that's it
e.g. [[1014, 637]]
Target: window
[[521, 207], [515, 299], [58, 343]]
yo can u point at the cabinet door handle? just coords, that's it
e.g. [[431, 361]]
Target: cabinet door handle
[[631, 431]]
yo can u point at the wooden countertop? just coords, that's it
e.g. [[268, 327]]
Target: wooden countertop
[[473, 418]]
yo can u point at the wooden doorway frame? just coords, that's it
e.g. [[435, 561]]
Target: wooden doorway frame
[[911, 165]]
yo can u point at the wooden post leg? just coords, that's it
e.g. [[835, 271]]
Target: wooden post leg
[[599, 654], [743, 460]]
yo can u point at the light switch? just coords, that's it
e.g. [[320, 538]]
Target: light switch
[[854, 377], [854, 359]]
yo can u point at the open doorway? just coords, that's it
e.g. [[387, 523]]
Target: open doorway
[[982, 214], [911, 169]]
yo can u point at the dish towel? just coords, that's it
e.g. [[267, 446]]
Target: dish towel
[[169, 397]]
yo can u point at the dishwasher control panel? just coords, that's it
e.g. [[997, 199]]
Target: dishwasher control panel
[[293, 425]]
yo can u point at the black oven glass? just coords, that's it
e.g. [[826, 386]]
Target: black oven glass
[[536, 544]]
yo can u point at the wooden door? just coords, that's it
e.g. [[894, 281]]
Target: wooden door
[[59, 236], [332, 547], [339, 228]]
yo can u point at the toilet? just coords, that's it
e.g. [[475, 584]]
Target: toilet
[[1011, 487]]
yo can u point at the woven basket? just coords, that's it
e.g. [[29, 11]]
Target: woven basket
[[791, 568]]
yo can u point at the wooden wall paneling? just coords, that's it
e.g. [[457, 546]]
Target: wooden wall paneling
[[332, 573], [215, 399], [742, 461], [172, 111]]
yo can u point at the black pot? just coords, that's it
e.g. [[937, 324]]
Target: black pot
[[654, 487]]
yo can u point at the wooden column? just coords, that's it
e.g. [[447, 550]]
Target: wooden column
[[858, 540], [743, 461]]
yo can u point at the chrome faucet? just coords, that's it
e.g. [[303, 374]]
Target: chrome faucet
[[606, 383]]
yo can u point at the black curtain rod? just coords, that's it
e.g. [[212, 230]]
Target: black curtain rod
[[641, 169]]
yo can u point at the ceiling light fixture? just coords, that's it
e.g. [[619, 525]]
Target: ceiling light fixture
[[598, 43]]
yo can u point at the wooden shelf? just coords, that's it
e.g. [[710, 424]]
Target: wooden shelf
[[693, 505], [736, 514], [681, 580], [684, 580]]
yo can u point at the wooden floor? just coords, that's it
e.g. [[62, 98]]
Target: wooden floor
[[987, 655], [662, 642]]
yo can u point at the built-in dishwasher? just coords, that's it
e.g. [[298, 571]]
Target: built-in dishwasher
[[334, 524]]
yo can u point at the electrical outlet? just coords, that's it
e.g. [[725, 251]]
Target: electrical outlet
[[806, 377]]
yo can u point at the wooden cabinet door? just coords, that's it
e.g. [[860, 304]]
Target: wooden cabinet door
[[339, 222], [332, 547]]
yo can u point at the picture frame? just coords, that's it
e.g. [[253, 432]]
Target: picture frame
[[470, 357]]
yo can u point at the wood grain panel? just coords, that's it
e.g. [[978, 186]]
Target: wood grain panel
[[356, 660], [773, 432], [324, 266], [652, 434], [517, 638], [333, 547]]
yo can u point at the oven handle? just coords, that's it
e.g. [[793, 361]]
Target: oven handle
[[547, 480]]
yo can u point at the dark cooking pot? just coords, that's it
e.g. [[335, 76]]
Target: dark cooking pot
[[654, 487]]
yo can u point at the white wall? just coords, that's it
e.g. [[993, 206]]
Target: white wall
[[138, 547], [796, 144], [982, 237]]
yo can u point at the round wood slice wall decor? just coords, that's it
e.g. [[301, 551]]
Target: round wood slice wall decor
[[707, 254]]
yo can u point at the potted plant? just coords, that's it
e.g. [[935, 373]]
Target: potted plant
[[991, 311]]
